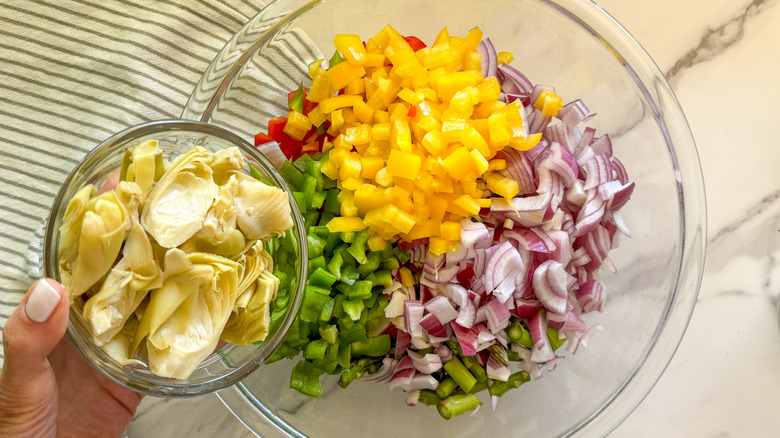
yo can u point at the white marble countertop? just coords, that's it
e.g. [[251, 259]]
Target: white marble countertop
[[722, 58]]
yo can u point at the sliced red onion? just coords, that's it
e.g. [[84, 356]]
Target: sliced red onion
[[413, 313], [542, 350], [505, 260], [489, 57], [425, 363], [550, 283], [412, 397], [597, 245], [496, 370], [518, 168], [536, 120], [444, 353], [457, 293], [423, 381], [467, 338], [472, 232], [467, 315], [273, 152], [590, 214], [602, 145], [402, 378], [584, 339], [494, 400], [590, 295], [385, 372], [402, 342], [560, 160], [442, 308], [497, 315], [431, 324], [525, 309], [568, 323], [598, 170], [573, 113], [619, 170], [518, 80], [532, 210]]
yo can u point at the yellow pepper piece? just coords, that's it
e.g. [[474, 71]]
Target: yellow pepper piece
[[459, 163], [449, 84], [489, 89], [406, 276], [450, 230], [437, 245], [497, 164], [345, 224], [480, 163], [549, 102], [342, 74], [321, 88], [380, 131], [403, 164], [505, 57], [526, 143], [467, 203], [356, 86], [499, 134], [370, 166], [432, 142], [337, 102], [363, 112], [383, 178], [351, 47], [376, 243], [401, 136], [501, 185], [358, 135]]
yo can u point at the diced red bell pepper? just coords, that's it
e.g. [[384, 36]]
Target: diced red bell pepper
[[276, 128], [262, 138], [412, 111], [415, 42]]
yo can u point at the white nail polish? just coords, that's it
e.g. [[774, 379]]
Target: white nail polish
[[42, 302]]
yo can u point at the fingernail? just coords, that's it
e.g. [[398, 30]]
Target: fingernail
[[42, 302]]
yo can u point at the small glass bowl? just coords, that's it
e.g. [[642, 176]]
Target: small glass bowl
[[229, 363]]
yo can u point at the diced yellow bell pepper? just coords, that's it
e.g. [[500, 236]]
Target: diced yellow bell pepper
[[407, 279], [549, 102], [473, 38], [467, 203], [437, 58], [370, 166], [437, 245], [374, 60], [526, 143], [442, 38], [376, 243], [358, 135], [497, 164], [472, 61], [347, 204], [449, 84], [480, 163], [401, 136], [351, 47], [452, 130], [432, 142], [363, 112], [474, 141], [484, 202], [345, 224], [459, 163], [351, 183], [501, 185], [381, 116], [499, 134], [321, 88], [505, 58], [403, 164], [450, 230], [380, 131], [317, 117], [342, 74], [356, 86], [337, 102], [488, 89], [383, 178], [410, 96]]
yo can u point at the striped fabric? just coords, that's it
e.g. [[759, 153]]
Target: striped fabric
[[73, 72]]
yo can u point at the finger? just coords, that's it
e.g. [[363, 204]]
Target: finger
[[32, 332]]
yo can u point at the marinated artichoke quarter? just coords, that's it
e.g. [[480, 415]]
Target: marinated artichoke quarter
[[171, 260]]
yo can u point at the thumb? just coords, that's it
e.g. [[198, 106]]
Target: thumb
[[31, 333]]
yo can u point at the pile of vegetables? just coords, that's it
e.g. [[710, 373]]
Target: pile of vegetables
[[457, 214]]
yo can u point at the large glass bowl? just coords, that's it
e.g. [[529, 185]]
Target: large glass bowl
[[576, 47], [229, 363]]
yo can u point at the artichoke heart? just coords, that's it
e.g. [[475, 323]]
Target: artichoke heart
[[70, 230], [225, 163], [179, 202], [252, 323], [253, 262], [187, 337], [143, 164], [103, 229], [263, 210]]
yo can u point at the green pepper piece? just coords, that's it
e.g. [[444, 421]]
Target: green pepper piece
[[303, 163], [316, 349], [383, 278], [305, 378], [359, 290], [374, 347], [344, 356], [347, 236], [293, 176], [332, 242], [401, 255], [300, 199], [256, 174], [334, 266], [308, 188], [317, 199], [353, 308], [329, 332], [358, 247], [356, 332], [390, 264], [315, 263], [335, 60], [371, 264], [332, 204], [322, 278], [314, 299], [316, 245], [349, 274], [353, 373], [296, 103]]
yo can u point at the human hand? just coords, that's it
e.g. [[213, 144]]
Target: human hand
[[46, 388]]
